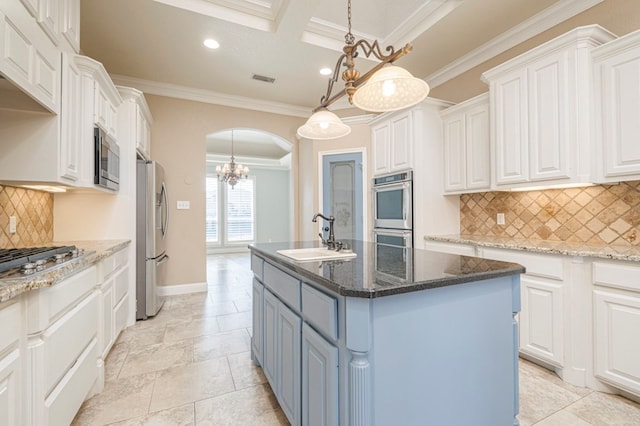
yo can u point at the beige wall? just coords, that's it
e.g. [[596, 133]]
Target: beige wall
[[618, 16], [178, 143]]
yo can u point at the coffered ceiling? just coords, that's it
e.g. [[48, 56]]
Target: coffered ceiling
[[159, 42]]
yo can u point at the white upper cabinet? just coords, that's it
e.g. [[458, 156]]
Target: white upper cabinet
[[617, 105], [541, 115], [467, 166], [134, 113], [71, 120], [28, 58], [59, 19], [392, 140], [70, 23]]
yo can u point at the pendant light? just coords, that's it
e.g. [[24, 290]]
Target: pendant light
[[231, 172], [384, 88]]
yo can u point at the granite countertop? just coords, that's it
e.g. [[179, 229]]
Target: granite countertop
[[95, 251], [380, 270], [628, 253]]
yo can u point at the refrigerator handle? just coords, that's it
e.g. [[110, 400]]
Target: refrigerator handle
[[165, 196], [163, 259]]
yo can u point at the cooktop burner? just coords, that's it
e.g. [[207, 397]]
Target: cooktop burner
[[26, 261]]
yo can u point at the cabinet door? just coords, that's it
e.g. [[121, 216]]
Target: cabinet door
[[617, 346], [10, 395], [549, 118], [49, 18], [258, 322], [70, 23], [289, 328], [270, 312], [454, 153], [510, 128], [477, 153], [541, 323], [620, 94], [380, 136], [71, 120], [28, 58], [319, 380], [106, 319], [400, 143]]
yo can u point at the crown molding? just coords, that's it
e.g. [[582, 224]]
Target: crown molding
[[209, 96], [533, 26]]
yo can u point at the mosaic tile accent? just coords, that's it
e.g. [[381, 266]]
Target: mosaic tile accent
[[601, 214], [34, 214]]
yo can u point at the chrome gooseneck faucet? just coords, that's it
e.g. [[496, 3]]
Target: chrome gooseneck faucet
[[331, 241]]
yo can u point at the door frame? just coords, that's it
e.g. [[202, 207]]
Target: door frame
[[365, 184]]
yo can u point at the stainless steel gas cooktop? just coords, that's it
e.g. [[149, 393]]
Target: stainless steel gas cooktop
[[20, 262]]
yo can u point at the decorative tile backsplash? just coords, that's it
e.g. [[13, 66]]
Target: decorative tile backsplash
[[34, 214], [601, 214]]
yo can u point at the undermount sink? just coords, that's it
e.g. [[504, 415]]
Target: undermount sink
[[315, 253]]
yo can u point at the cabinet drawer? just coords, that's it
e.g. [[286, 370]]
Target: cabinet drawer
[[112, 263], [63, 403], [10, 326], [121, 285], [48, 304], [283, 285], [320, 310], [256, 266], [540, 265], [617, 275], [65, 340]]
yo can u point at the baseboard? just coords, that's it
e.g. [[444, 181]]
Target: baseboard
[[173, 290]]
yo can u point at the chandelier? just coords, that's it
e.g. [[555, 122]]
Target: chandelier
[[232, 172], [385, 87]]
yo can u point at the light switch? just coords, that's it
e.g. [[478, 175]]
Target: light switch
[[500, 219], [12, 224], [183, 205]]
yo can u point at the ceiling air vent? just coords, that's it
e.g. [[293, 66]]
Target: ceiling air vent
[[263, 78]]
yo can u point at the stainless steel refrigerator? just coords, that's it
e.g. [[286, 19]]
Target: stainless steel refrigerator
[[152, 221]]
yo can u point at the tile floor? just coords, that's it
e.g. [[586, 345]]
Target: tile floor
[[190, 365]]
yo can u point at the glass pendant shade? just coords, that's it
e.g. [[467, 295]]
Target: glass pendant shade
[[389, 89], [323, 125]]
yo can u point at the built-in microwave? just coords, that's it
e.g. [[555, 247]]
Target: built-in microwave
[[107, 160], [393, 201]]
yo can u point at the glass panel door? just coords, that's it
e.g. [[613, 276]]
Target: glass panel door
[[342, 194]]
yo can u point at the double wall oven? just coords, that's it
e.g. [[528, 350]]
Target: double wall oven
[[393, 209]]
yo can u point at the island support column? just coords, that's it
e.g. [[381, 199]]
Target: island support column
[[358, 341]]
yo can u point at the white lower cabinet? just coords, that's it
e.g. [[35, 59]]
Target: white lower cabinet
[[616, 305], [11, 360], [319, 379], [541, 321], [113, 285], [62, 348], [541, 326]]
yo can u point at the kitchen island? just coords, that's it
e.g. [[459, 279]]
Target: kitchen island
[[392, 336]]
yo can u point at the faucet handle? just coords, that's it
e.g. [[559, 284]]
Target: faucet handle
[[324, 242]]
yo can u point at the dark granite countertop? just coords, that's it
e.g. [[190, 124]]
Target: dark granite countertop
[[380, 270], [95, 252]]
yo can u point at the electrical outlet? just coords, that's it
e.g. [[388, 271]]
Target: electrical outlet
[[183, 205], [500, 218], [12, 224]]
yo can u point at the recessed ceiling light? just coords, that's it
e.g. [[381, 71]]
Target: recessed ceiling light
[[326, 71], [211, 43]]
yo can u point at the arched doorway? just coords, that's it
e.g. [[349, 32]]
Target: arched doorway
[[258, 208]]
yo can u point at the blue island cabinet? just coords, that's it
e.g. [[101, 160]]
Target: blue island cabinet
[[440, 355]]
